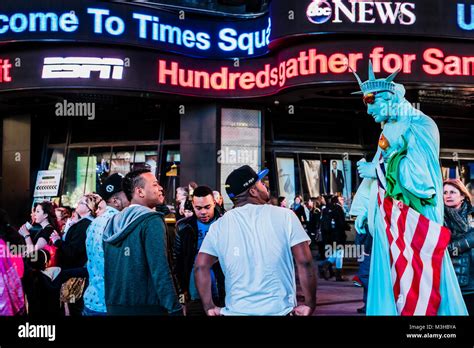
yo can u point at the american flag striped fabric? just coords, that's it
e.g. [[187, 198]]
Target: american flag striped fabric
[[417, 247]]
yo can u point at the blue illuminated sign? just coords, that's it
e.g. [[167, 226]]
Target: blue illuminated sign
[[462, 17], [131, 24]]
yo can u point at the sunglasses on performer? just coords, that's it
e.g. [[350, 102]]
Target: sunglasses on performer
[[369, 98]]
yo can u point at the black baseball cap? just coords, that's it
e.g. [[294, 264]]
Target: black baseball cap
[[241, 179], [111, 185]]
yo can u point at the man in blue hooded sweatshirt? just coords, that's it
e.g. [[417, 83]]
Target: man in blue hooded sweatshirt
[[137, 276]]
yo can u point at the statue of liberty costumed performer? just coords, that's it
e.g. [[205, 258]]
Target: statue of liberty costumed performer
[[406, 165]]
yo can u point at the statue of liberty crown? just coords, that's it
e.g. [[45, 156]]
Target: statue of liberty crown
[[375, 85]]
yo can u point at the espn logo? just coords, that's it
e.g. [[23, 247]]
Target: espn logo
[[82, 67]]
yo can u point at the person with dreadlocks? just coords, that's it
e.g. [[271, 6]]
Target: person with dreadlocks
[[400, 203]]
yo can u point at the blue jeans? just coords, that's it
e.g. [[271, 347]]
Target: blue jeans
[[364, 270], [90, 313]]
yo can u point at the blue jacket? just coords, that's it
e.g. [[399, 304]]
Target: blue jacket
[[94, 296]]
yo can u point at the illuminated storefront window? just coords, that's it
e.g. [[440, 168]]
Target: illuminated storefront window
[[241, 143]]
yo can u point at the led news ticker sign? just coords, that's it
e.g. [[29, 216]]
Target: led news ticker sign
[[131, 24], [311, 64], [303, 65], [213, 37]]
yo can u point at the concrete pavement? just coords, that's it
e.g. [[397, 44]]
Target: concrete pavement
[[337, 298]]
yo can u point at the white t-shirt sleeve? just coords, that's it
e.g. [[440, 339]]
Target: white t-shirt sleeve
[[209, 244], [297, 233]]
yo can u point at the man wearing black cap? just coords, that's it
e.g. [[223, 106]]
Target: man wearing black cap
[[112, 193], [255, 244]]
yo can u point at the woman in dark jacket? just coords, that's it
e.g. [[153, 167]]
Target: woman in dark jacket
[[314, 222], [299, 209], [458, 217], [72, 245], [333, 227]]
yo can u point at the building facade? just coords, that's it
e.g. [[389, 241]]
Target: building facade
[[193, 89]]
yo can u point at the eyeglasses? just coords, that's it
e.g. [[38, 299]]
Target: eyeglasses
[[369, 98]]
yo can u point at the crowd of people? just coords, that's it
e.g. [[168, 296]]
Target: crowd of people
[[324, 220], [113, 254]]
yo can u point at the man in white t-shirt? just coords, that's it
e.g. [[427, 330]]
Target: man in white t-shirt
[[255, 244]]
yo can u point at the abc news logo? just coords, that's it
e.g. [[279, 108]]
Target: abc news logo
[[362, 11], [82, 68], [319, 12]]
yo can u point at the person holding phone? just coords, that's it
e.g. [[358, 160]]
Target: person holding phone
[[43, 215]]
